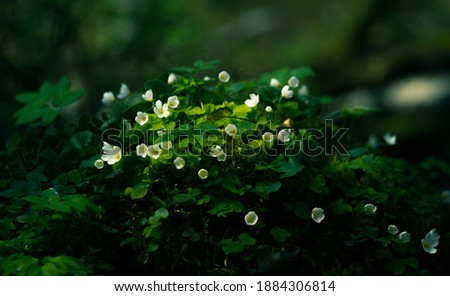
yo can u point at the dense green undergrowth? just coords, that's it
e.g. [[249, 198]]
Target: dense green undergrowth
[[211, 176]]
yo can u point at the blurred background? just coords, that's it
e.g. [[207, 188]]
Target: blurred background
[[394, 55]]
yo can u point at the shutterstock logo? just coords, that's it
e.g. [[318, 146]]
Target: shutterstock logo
[[192, 139]]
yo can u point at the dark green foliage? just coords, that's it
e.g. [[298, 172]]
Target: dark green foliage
[[61, 215]]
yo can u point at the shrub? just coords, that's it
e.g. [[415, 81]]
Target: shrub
[[211, 176]]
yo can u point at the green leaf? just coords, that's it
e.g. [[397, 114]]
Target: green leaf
[[11, 193], [268, 93], [79, 203], [195, 111], [62, 94], [63, 84], [242, 111], [61, 265], [234, 247], [28, 114], [50, 114], [192, 235], [413, 262], [20, 265], [228, 247], [280, 234], [35, 199], [263, 189], [317, 184], [46, 104], [230, 183], [247, 239], [30, 97], [237, 207], [74, 176], [36, 177], [355, 192], [50, 269], [72, 97], [128, 191], [341, 207], [182, 197], [161, 213], [128, 240], [138, 193], [397, 266], [223, 208], [147, 231], [82, 140], [46, 91], [152, 247], [60, 207], [366, 162], [204, 199], [50, 195], [13, 142], [290, 169]]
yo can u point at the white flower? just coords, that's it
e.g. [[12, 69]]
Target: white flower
[[142, 150], [224, 76], [303, 91], [108, 98], [251, 218], [179, 163], [173, 102], [432, 235], [274, 82], [404, 237], [283, 136], [317, 215], [253, 101], [268, 137], [430, 242], [166, 145], [222, 156], [370, 208], [111, 154], [390, 139], [269, 109], [231, 129], [148, 96], [172, 78], [124, 91], [161, 110], [293, 81], [392, 229], [214, 151], [203, 174], [206, 78], [286, 92], [99, 164], [154, 151], [141, 118]]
